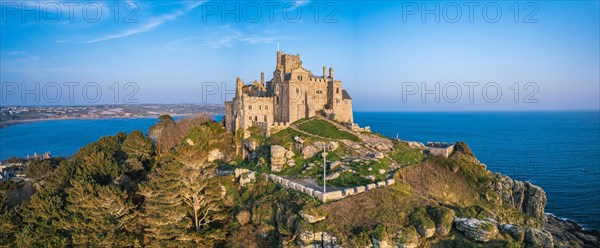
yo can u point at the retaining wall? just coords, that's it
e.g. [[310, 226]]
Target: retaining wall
[[330, 195]]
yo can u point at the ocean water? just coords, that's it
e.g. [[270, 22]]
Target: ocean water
[[558, 151]]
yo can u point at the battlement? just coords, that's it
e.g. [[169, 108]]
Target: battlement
[[280, 124], [258, 97]]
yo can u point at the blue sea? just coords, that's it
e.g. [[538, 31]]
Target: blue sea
[[559, 151]]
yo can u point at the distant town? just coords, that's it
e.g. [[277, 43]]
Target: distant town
[[17, 114]]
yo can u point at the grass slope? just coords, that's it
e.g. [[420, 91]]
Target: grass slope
[[326, 129]]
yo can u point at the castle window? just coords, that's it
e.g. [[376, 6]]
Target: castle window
[[249, 117], [297, 91], [250, 107], [299, 77], [259, 106], [266, 106], [255, 118], [337, 90], [265, 118]]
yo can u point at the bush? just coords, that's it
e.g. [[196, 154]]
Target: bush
[[420, 218], [380, 232], [243, 217]]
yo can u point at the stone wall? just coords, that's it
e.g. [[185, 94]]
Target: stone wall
[[439, 149], [278, 126], [330, 195]]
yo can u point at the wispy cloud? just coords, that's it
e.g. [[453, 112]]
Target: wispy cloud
[[145, 27], [226, 36], [236, 38], [301, 2]]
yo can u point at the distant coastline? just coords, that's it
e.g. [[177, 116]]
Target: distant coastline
[[7, 123]]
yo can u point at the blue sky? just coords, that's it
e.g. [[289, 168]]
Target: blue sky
[[544, 56]]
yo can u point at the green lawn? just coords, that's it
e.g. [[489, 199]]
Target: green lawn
[[346, 179], [325, 129], [405, 155]]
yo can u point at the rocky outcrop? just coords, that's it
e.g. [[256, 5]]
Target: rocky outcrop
[[247, 177], [309, 236], [443, 218], [214, 155], [567, 233], [480, 230], [329, 241], [311, 217], [539, 238], [525, 196], [334, 165], [381, 243], [423, 223], [515, 232], [406, 238], [281, 157], [309, 151], [425, 231], [252, 147]]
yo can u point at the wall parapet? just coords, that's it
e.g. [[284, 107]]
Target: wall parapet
[[330, 195]]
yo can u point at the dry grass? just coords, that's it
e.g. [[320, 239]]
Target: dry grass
[[424, 184], [441, 184]]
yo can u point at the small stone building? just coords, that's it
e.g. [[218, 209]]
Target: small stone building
[[292, 94]]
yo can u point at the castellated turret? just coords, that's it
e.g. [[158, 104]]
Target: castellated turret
[[292, 94]]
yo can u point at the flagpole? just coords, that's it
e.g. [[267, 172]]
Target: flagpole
[[324, 170]]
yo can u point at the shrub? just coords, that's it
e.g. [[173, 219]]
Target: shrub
[[380, 232], [243, 217], [420, 218]]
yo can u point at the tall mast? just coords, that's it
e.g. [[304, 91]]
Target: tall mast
[[324, 169]]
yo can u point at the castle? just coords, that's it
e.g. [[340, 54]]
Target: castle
[[292, 94]]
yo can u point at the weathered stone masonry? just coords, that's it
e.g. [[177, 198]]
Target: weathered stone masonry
[[292, 94]]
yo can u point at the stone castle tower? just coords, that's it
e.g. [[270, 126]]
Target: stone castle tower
[[292, 94]]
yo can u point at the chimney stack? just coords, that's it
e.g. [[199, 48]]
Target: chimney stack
[[262, 78], [331, 72], [324, 71]]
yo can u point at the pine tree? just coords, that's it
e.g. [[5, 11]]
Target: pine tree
[[164, 219], [41, 218], [100, 215], [136, 145], [202, 194]]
